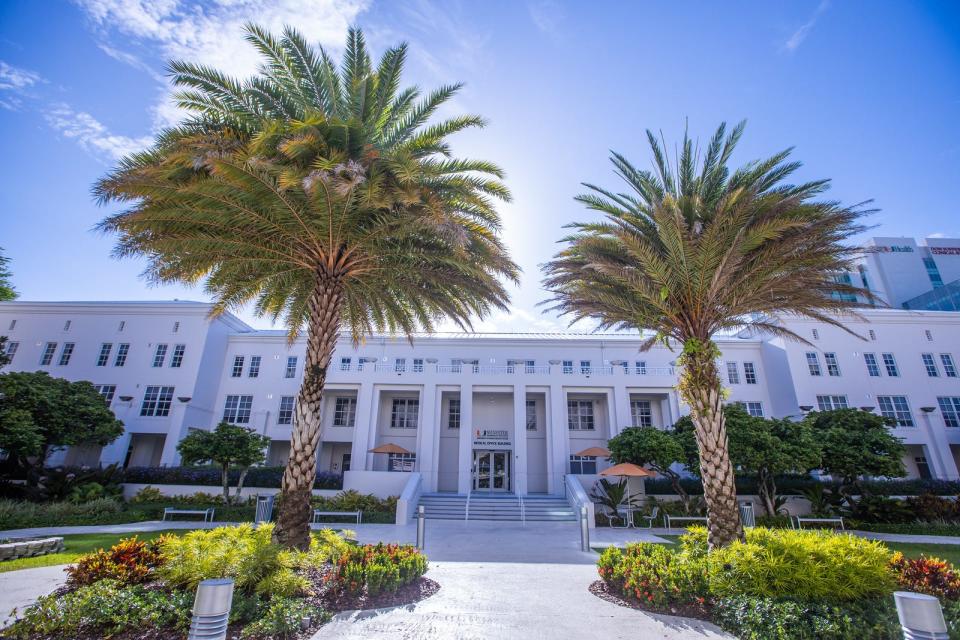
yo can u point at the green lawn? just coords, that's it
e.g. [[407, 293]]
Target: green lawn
[[78, 544]]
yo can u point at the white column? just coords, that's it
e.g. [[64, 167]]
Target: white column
[[365, 424], [116, 451], [620, 416], [170, 457], [520, 439], [427, 437], [465, 466], [558, 440], [938, 452]]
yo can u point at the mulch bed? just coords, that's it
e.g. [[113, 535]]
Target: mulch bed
[[600, 589]]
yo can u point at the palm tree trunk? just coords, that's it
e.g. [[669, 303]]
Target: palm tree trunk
[[293, 513], [701, 388]]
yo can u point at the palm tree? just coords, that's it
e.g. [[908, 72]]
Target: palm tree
[[699, 249], [323, 197]]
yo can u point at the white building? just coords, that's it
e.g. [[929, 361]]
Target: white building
[[498, 412], [906, 274]]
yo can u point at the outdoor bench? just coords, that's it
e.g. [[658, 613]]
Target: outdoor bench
[[833, 521], [206, 513], [353, 514], [670, 519]]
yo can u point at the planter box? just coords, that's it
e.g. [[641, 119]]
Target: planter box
[[27, 548], [130, 489]]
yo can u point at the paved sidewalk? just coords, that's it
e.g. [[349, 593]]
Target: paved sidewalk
[[19, 589]]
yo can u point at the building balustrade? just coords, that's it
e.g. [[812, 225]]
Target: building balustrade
[[508, 369]]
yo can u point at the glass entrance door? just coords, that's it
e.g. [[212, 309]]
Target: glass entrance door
[[491, 471]]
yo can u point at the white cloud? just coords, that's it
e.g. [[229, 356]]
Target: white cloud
[[132, 60], [91, 135], [795, 40], [546, 15], [15, 78]]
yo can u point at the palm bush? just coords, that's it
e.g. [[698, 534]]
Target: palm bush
[[688, 251], [325, 196]]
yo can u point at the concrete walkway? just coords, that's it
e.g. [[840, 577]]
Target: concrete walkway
[[20, 589]]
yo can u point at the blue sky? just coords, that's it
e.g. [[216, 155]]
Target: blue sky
[[867, 92]]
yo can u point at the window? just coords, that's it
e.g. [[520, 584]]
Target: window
[[890, 364], [104, 356], [749, 373], [529, 366], [873, 369], [829, 403], [930, 365], [754, 408], [453, 414], [12, 349], [237, 367], [65, 353], [733, 374], [896, 407], [403, 414], [159, 355], [66, 325], [285, 413], [640, 415], [640, 367], [254, 370], [121, 326], [122, 350], [923, 468], [833, 367], [48, 350], [568, 366], [291, 371], [872, 334], [345, 412], [176, 326], [13, 325], [813, 363], [583, 465], [928, 334], [580, 415], [933, 273], [531, 415], [237, 409], [345, 464], [344, 364], [949, 369], [401, 461], [400, 365], [950, 408], [106, 391], [418, 365], [156, 402], [816, 334], [177, 358], [585, 366]]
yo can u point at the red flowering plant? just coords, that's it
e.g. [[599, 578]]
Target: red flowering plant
[[130, 561], [932, 576], [654, 574], [377, 568]]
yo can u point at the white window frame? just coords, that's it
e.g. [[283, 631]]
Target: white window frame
[[123, 350], [833, 365], [104, 356], [950, 409], [11, 351], [66, 352], [585, 367], [285, 410], [345, 411], [568, 366], [930, 364], [418, 365], [898, 408], [453, 413], [754, 408], [832, 402], [580, 416], [176, 358], [890, 365], [404, 413], [237, 370], [641, 413], [237, 409], [531, 415], [49, 350], [106, 391], [873, 365], [733, 373], [813, 363], [949, 368], [401, 462], [583, 465], [160, 355], [253, 370], [291, 369], [345, 364], [749, 373], [157, 400]]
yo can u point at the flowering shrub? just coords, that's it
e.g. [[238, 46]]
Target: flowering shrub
[[932, 576], [130, 561], [282, 619], [353, 500], [378, 568], [654, 574]]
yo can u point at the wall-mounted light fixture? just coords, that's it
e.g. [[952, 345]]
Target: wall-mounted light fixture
[[867, 409], [806, 407], [184, 399]]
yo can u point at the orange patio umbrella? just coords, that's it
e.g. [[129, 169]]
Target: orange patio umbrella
[[596, 452], [389, 448], [627, 470]]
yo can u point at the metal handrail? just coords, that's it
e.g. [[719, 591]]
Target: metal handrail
[[466, 511], [523, 511]]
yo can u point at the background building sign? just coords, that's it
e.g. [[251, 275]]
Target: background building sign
[[945, 251], [492, 439]]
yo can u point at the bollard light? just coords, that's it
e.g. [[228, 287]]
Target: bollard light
[[584, 530], [421, 527], [920, 616], [211, 609]]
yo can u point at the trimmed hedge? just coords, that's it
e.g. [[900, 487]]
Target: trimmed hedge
[[747, 485], [266, 477]]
